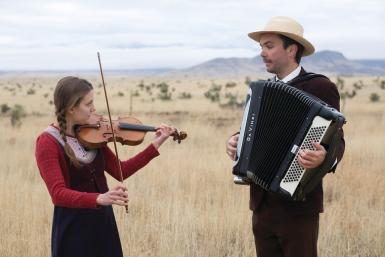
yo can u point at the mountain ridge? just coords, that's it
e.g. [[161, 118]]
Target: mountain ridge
[[326, 61]]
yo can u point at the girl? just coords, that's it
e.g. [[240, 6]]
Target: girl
[[83, 219]]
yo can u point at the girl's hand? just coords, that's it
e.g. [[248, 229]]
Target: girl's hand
[[162, 134], [117, 196]]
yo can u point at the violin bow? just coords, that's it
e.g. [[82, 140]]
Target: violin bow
[[112, 128]]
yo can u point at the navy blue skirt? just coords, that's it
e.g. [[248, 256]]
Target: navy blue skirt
[[85, 232]]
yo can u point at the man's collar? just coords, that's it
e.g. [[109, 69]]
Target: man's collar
[[291, 76]]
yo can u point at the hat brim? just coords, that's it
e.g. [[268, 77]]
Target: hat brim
[[308, 47]]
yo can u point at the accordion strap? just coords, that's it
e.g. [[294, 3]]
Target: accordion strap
[[305, 77]]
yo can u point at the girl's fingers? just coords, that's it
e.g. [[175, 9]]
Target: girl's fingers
[[119, 187], [118, 198], [118, 193], [120, 203]]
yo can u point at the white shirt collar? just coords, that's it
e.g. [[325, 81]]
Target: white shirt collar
[[291, 76]]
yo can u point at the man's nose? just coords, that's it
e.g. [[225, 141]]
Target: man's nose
[[263, 53]]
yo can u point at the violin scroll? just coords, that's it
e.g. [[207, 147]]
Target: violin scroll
[[179, 136]]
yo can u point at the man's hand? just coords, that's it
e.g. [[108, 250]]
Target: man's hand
[[231, 146], [310, 159]]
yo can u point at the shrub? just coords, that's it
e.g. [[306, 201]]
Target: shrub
[[230, 84], [185, 95], [213, 93], [17, 113], [374, 97], [5, 108], [31, 91], [164, 94], [382, 84], [141, 85], [232, 102], [247, 81]]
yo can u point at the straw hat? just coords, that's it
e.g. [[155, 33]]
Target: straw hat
[[287, 27]]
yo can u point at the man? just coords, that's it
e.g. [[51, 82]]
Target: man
[[284, 227]]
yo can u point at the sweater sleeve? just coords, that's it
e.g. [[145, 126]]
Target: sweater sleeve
[[53, 171], [131, 165]]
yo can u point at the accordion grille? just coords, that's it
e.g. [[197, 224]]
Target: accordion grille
[[295, 171], [281, 115]]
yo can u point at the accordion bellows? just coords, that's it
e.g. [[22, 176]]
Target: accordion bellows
[[278, 121]]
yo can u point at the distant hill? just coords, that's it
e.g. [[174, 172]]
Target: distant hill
[[326, 62], [329, 62], [375, 63]]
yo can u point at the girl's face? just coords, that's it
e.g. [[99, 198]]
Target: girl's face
[[81, 113]]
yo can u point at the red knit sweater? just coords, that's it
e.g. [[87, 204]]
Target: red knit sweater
[[53, 169]]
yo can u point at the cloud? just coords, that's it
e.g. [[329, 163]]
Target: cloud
[[147, 29]]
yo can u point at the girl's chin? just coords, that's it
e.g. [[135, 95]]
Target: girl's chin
[[82, 122]]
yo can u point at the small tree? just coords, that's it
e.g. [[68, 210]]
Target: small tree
[[17, 113], [340, 83], [345, 94], [247, 81], [164, 94]]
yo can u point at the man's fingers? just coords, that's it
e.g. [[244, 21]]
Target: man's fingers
[[309, 154], [318, 146], [233, 142], [231, 148], [305, 163], [231, 154]]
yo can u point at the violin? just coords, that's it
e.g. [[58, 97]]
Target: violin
[[127, 131], [106, 131]]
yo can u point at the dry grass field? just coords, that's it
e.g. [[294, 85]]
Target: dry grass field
[[184, 203]]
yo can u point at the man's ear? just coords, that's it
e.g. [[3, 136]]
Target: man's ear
[[292, 50]]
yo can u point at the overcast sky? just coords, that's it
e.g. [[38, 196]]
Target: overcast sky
[[43, 35]]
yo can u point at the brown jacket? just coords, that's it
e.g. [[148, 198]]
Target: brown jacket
[[327, 91]]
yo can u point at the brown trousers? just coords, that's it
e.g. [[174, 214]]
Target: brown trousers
[[280, 234]]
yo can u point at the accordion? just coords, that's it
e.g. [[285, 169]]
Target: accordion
[[278, 121]]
